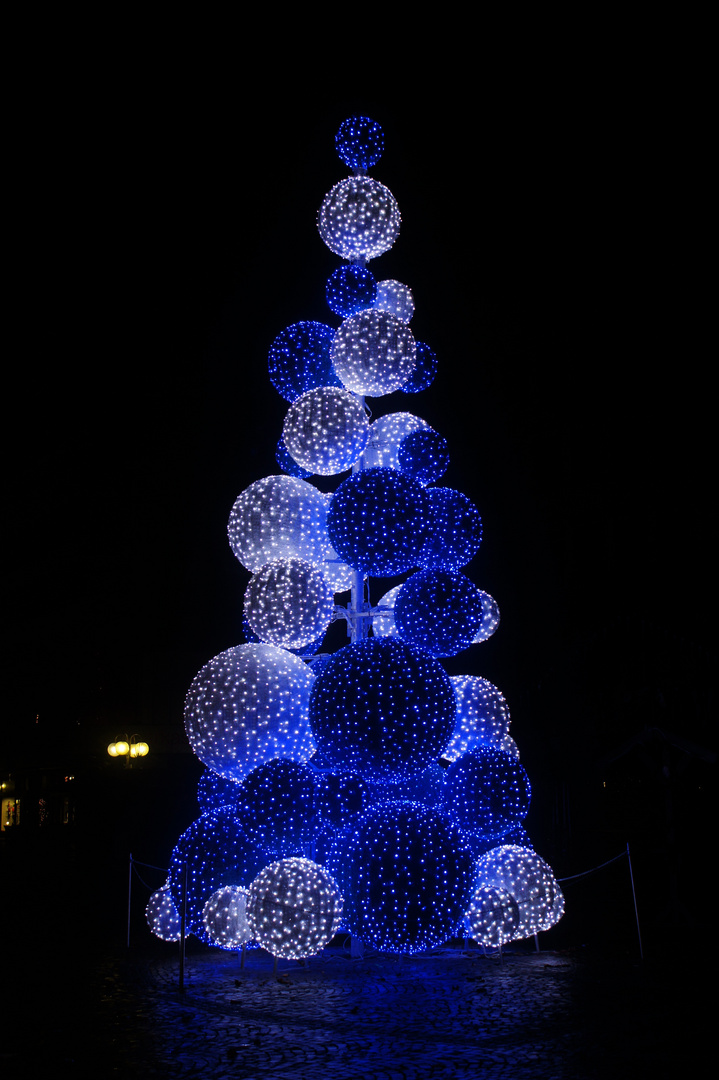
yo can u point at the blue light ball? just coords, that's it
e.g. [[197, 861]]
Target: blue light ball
[[342, 798], [438, 611], [359, 142], [299, 359], [487, 793], [454, 533], [382, 709], [424, 456], [350, 289], [424, 371], [277, 807], [214, 791], [377, 521], [406, 875]]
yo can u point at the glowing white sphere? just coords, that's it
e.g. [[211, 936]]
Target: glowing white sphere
[[385, 437], [359, 218], [248, 705], [289, 603], [396, 298], [493, 916], [279, 517], [529, 879], [162, 916], [383, 624], [373, 353], [482, 717], [223, 917], [490, 618], [326, 430], [294, 908]]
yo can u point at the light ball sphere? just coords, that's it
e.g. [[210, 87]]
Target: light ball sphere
[[277, 807], [223, 917], [373, 353], [396, 298], [482, 717], [162, 915], [490, 618], [385, 437], [289, 603], [294, 908], [424, 372], [247, 705], [214, 791], [359, 219], [438, 611], [326, 430], [278, 517], [454, 534], [377, 521], [351, 288], [407, 877], [424, 456], [342, 797], [530, 881], [382, 710], [492, 918], [288, 464], [359, 142], [299, 359], [487, 793], [383, 624]]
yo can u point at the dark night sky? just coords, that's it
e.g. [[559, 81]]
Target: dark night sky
[[173, 236]]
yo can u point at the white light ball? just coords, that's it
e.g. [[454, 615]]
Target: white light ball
[[294, 908], [385, 437], [279, 517], [289, 603], [162, 915], [248, 705], [359, 219], [482, 717], [383, 624], [396, 298], [373, 353], [326, 430], [224, 919], [531, 882], [493, 916], [490, 618]]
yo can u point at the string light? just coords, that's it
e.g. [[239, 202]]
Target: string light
[[487, 792], [382, 709], [455, 531], [299, 359], [341, 798], [359, 142], [351, 289], [278, 517], [359, 219], [530, 881], [223, 917], [294, 908], [162, 915], [373, 353], [424, 456], [396, 298], [326, 430], [277, 807], [438, 611], [482, 717], [248, 705], [385, 436], [214, 791], [377, 521], [425, 787], [289, 603], [424, 371], [492, 918]]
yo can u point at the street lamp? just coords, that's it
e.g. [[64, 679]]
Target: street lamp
[[128, 748]]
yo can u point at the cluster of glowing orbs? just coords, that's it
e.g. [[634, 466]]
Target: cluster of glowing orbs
[[386, 435], [276, 806], [438, 611], [359, 218], [247, 705], [373, 353], [350, 289], [482, 716], [162, 915], [289, 603], [294, 908], [214, 791], [223, 917], [530, 881], [396, 298], [407, 877], [490, 618], [424, 371], [492, 918], [299, 359], [382, 710], [326, 430], [288, 464], [454, 533], [359, 142], [424, 456], [216, 852], [278, 517], [377, 521], [487, 793]]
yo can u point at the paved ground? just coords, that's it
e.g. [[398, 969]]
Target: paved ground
[[451, 1014]]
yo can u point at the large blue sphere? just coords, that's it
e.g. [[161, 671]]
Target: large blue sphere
[[487, 793], [350, 289], [438, 611], [382, 709], [424, 456], [377, 521], [299, 359], [359, 142], [277, 807], [406, 875], [455, 531]]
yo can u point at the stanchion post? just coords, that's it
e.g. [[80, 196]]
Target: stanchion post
[[183, 921], [129, 899], [634, 895]]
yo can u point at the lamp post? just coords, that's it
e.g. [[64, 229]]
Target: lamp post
[[128, 748]]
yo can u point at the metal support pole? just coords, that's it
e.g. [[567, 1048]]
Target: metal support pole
[[183, 924], [634, 896], [129, 899]]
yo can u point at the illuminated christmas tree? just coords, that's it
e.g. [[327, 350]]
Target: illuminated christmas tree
[[363, 789]]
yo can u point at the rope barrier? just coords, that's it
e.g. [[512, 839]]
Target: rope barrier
[[593, 870]]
